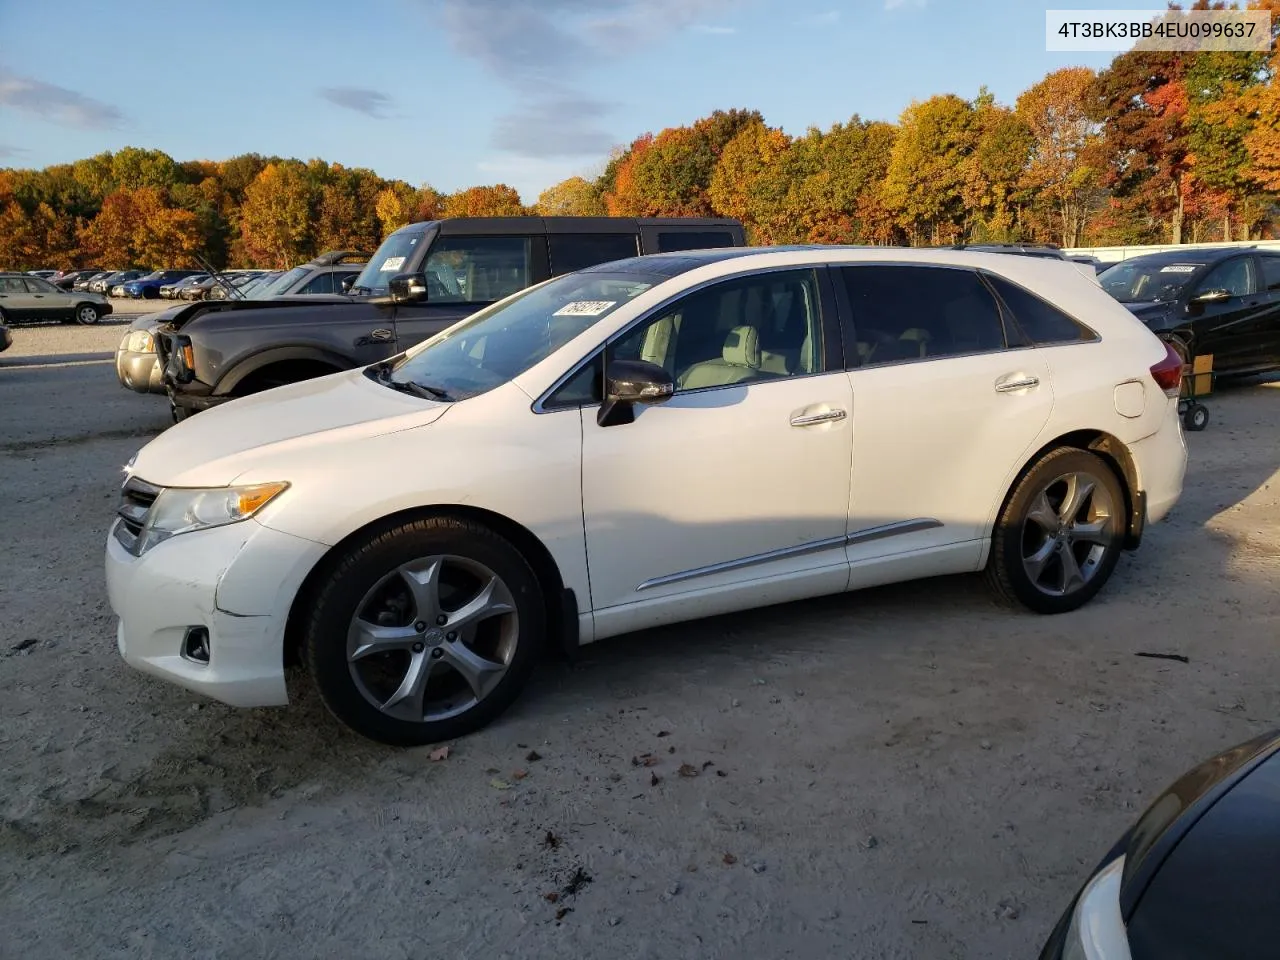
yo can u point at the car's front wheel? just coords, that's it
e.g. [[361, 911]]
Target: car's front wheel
[[87, 314], [1060, 534], [424, 631]]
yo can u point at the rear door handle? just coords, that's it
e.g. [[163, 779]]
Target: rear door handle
[[1020, 383], [809, 419]]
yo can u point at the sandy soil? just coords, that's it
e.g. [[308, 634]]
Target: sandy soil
[[906, 772]]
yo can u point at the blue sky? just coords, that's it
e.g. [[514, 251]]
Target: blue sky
[[459, 92]]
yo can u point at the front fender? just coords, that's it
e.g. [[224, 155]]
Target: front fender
[[236, 374]]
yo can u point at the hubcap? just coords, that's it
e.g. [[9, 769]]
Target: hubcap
[[433, 638], [87, 314], [1066, 533]]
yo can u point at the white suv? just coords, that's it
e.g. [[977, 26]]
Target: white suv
[[643, 442]]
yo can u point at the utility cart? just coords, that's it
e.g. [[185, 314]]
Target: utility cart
[[1197, 383]]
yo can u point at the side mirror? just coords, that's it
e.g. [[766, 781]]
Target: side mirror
[[1215, 295], [407, 288], [347, 283], [631, 382]]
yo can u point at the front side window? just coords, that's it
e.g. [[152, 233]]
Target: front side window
[[1236, 276], [477, 269], [322, 283], [495, 345], [741, 331], [577, 251], [1041, 321], [920, 313]]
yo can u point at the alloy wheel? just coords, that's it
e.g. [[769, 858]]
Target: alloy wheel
[[1066, 533], [433, 638], [87, 315]]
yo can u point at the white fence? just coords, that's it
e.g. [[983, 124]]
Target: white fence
[[1116, 254]]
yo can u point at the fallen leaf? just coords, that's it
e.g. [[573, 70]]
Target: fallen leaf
[[551, 840], [499, 784], [654, 779], [730, 859], [519, 774], [688, 770], [551, 897], [439, 753], [533, 756], [560, 914], [664, 733]]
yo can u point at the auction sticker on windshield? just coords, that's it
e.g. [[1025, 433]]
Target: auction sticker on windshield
[[584, 308], [392, 263], [1180, 268]]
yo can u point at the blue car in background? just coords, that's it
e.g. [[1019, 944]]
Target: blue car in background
[[148, 287]]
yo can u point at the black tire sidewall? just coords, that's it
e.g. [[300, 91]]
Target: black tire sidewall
[[353, 573], [86, 323], [1007, 538]]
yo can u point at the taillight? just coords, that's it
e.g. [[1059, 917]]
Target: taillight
[[1168, 372]]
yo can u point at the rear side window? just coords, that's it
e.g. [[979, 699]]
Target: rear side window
[[671, 240], [576, 251], [321, 283], [1271, 273], [920, 313], [1042, 322]]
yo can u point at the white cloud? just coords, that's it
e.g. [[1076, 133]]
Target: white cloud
[[56, 104]]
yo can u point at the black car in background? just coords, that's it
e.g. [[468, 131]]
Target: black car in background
[[71, 277], [1195, 878], [1223, 301], [423, 278], [81, 284]]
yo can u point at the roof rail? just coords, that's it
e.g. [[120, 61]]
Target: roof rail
[[331, 257]]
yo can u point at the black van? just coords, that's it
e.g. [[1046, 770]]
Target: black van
[[441, 272]]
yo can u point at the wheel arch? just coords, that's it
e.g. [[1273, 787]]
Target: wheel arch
[[561, 608], [1113, 452], [257, 362]]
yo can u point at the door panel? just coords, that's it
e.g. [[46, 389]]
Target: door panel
[[1225, 328], [938, 441], [943, 411], [742, 477], [717, 477], [15, 301]]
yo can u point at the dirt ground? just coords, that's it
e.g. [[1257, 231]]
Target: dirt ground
[[905, 772]]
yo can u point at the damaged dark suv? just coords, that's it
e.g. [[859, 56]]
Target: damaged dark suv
[[423, 278]]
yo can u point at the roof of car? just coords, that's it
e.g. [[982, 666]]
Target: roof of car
[[1204, 255]]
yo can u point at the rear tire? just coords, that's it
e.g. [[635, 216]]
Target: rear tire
[[438, 672], [1060, 534]]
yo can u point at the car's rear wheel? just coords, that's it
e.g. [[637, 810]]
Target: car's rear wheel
[[1060, 534], [87, 314], [424, 631]]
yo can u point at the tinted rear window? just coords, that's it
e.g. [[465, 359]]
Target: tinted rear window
[[1271, 273], [1042, 322], [693, 240], [576, 251]]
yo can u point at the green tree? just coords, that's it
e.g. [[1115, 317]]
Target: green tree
[[925, 182]]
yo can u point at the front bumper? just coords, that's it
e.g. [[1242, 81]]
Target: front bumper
[[139, 372], [236, 581]]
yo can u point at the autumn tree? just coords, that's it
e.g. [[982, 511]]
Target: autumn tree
[[751, 183], [574, 197], [275, 218], [924, 185], [993, 172], [836, 180], [499, 200]]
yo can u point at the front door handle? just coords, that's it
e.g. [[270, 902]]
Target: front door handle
[[1020, 383], [809, 419]]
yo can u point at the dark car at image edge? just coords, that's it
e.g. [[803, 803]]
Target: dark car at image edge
[[423, 278]]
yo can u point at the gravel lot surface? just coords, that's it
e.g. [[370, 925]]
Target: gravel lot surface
[[905, 772]]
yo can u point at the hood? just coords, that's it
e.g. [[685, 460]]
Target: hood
[[149, 321], [212, 448]]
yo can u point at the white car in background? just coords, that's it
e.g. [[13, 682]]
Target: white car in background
[[643, 442]]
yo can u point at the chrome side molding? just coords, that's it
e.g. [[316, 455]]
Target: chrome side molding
[[814, 546]]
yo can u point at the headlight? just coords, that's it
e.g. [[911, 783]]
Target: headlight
[[1097, 930], [140, 341], [180, 510]]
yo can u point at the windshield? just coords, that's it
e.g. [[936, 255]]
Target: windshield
[[157, 275], [390, 259], [499, 343], [1132, 281], [252, 287]]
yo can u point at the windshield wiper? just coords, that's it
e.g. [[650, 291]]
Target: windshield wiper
[[381, 372]]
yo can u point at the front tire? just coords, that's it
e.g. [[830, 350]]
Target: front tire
[[1060, 533], [87, 314], [424, 631]]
